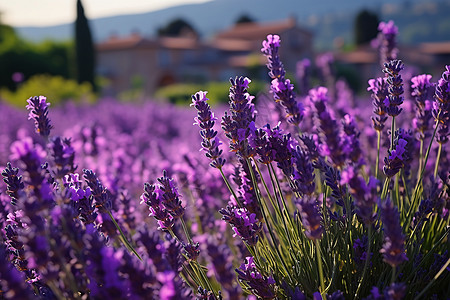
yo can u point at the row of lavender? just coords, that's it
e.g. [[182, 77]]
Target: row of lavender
[[313, 212]]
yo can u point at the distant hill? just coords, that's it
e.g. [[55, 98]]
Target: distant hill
[[328, 19]]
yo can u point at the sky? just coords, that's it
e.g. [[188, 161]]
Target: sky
[[53, 12]]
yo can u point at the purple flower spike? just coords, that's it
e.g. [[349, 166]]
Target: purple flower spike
[[38, 108], [13, 182], [281, 87], [242, 113], [422, 93], [379, 88], [398, 156], [99, 193], [152, 197], [394, 241], [311, 218], [395, 89], [386, 41], [170, 197], [244, 224], [441, 107], [205, 120], [261, 286]]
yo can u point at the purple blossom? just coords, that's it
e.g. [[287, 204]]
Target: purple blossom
[[310, 216], [327, 127], [398, 156], [63, 156], [38, 108], [393, 249], [395, 89], [302, 75], [236, 125], [364, 194], [14, 183], [152, 197], [244, 224], [386, 41], [303, 175], [100, 194], [421, 92], [260, 285], [170, 198], [281, 87], [379, 90], [441, 106], [205, 120]]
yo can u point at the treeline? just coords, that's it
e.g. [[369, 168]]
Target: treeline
[[18, 56]]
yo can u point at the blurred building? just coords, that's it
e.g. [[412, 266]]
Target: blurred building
[[161, 61]]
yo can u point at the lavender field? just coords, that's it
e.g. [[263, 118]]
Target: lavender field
[[299, 192]]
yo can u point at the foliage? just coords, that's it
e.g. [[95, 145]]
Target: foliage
[[84, 48], [365, 27], [217, 91], [177, 27], [56, 88]]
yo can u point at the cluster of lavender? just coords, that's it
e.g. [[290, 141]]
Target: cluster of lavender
[[281, 215]]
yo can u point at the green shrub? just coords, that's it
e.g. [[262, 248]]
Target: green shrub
[[55, 88], [217, 91]]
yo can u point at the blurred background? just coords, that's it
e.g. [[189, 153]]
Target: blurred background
[[133, 50]]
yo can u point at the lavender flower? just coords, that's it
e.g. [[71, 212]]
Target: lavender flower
[[421, 92], [63, 157], [31, 157], [379, 90], [441, 107], [364, 194], [170, 197], [236, 125], [13, 182], [260, 285], [386, 41], [395, 89], [327, 127], [12, 283], [100, 194], [192, 250], [152, 197], [351, 136], [302, 75], [205, 120], [244, 224], [303, 175], [310, 217], [394, 241], [397, 156], [281, 87], [38, 108]]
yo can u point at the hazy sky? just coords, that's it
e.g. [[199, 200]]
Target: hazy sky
[[52, 12]]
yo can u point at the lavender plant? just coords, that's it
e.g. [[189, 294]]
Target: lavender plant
[[280, 214]]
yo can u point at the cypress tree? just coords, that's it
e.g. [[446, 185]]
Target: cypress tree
[[365, 27], [84, 48]]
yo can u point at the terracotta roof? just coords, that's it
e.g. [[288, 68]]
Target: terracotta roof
[[232, 44], [436, 48], [131, 41], [179, 42], [246, 61], [257, 31]]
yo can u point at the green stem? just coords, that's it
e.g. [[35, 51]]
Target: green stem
[[427, 154], [377, 164], [230, 188], [392, 133], [123, 237], [366, 264], [434, 279], [385, 188], [437, 160], [319, 264]]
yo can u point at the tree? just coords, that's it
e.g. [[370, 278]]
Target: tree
[[244, 19], [84, 48], [177, 27], [366, 27]]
